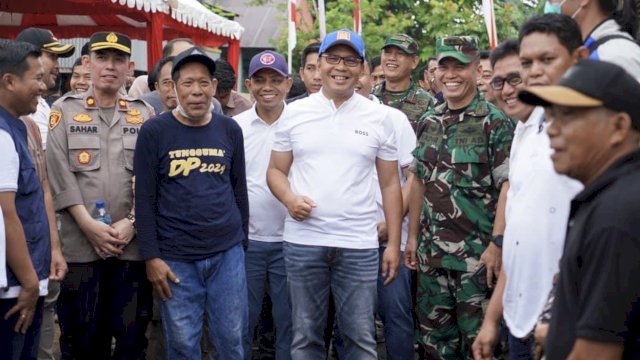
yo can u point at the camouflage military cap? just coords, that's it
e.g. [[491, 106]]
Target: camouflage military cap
[[404, 42], [462, 48], [110, 40]]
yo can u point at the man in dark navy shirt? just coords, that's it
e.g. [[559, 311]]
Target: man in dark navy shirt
[[192, 209], [594, 134]]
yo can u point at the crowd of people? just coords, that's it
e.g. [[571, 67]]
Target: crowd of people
[[482, 209]]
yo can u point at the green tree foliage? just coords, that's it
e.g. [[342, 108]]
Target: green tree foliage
[[425, 20]]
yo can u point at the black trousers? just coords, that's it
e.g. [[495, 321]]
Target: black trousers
[[102, 300], [15, 345]]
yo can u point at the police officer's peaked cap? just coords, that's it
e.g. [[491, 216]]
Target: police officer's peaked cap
[[110, 40]]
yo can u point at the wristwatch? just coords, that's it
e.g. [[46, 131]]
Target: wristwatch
[[497, 239], [132, 219]]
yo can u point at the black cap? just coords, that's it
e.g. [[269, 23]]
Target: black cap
[[45, 41], [193, 54], [110, 40], [85, 49], [590, 83]]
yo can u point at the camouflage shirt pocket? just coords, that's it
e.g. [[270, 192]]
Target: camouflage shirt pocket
[[471, 169]]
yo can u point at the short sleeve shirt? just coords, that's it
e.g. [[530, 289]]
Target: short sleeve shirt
[[266, 213], [598, 293], [334, 153]]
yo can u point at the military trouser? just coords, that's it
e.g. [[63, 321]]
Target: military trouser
[[450, 307]]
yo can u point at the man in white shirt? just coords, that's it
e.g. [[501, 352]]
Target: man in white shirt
[[538, 199], [324, 154], [22, 202], [395, 305], [268, 83]]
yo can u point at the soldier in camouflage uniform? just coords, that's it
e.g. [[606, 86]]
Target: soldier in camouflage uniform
[[460, 164], [399, 58]]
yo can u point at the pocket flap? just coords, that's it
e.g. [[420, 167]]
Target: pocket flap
[[469, 154], [129, 142]]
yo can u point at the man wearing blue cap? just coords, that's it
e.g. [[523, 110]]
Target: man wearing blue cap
[[268, 83], [322, 163], [191, 202]]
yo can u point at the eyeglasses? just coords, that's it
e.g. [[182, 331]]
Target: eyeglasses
[[350, 61], [513, 79]]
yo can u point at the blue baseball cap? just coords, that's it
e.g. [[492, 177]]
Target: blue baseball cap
[[344, 37], [268, 60]]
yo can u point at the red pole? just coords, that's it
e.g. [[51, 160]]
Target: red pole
[[154, 39], [234, 54]]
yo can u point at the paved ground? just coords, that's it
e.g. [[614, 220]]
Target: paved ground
[[56, 345]]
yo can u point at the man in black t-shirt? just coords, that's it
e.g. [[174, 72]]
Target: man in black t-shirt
[[193, 212], [595, 131]]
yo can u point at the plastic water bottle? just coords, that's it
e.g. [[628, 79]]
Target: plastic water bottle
[[103, 216]]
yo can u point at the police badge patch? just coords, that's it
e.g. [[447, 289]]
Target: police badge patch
[[54, 119]]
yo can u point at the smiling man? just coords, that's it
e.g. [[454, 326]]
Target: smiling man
[[460, 165], [80, 77], [90, 158], [28, 255], [191, 201], [594, 133], [508, 79], [531, 249], [268, 83], [321, 169], [400, 56], [51, 50]]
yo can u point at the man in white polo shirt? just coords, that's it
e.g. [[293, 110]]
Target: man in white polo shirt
[[395, 305], [268, 83], [325, 151]]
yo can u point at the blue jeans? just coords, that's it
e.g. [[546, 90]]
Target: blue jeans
[[395, 309], [216, 285], [264, 264], [520, 349], [352, 275]]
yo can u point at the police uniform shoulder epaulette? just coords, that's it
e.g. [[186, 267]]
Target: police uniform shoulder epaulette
[[68, 96]]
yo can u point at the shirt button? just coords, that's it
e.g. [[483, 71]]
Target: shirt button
[[552, 210], [517, 242]]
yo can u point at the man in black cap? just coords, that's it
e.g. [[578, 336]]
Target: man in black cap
[[594, 132], [51, 49], [193, 214], [90, 158]]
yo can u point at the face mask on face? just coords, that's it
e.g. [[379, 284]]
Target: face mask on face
[[550, 8]]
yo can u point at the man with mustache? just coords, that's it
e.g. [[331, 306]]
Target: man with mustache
[[460, 165], [90, 158]]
